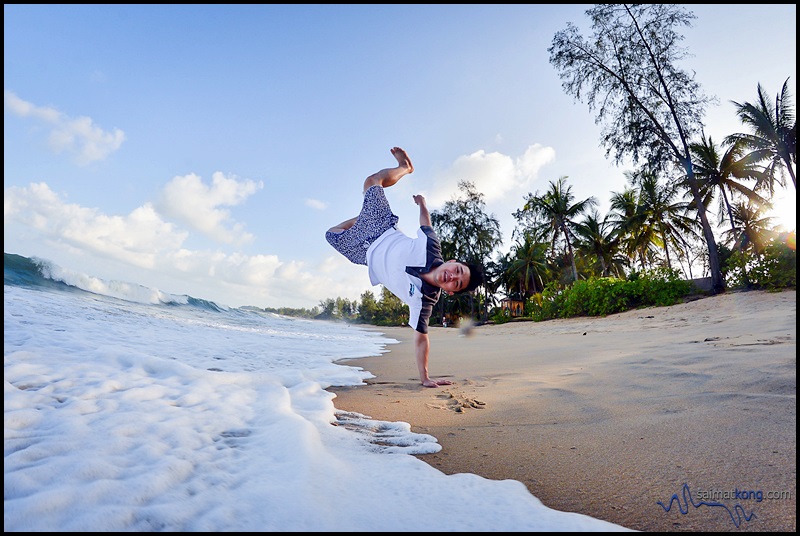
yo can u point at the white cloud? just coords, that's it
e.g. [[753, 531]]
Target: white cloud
[[502, 179], [188, 200], [78, 136], [316, 204], [495, 175], [529, 164], [150, 252], [137, 238]]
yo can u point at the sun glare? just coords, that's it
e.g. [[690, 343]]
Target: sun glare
[[784, 211]]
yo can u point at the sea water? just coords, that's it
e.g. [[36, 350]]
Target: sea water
[[130, 409]]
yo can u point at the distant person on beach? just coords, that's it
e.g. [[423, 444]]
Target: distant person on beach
[[411, 268]]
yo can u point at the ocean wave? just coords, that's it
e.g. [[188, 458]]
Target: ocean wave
[[46, 275]]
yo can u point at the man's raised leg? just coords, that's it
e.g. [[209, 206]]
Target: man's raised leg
[[389, 176], [385, 178]]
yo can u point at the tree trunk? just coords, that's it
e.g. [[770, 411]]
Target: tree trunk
[[717, 283], [741, 246], [571, 255]]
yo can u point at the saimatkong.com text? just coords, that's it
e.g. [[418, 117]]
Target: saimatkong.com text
[[741, 495]]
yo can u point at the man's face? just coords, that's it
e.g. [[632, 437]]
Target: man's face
[[452, 276]]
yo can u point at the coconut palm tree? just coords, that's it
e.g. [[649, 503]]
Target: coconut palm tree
[[527, 268], [598, 239], [752, 230], [666, 217], [625, 218], [773, 134], [649, 214], [557, 212], [724, 175]]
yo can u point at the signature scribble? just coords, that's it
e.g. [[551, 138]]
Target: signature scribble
[[738, 514]]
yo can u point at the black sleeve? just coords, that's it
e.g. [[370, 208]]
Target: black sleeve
[[425, 314]]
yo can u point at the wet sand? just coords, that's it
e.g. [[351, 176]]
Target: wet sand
[[692, 406]]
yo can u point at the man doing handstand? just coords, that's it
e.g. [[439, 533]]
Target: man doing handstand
[[411, 268]]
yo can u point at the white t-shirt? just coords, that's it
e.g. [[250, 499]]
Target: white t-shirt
[[396, 260]]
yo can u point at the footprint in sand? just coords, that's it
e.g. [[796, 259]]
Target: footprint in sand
[[457, 402]]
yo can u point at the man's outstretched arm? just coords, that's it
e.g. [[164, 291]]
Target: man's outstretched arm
[[424, 216], [422, 346]]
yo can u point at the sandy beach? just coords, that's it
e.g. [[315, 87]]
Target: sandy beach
[[692, 406]]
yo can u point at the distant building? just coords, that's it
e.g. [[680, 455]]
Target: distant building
[[512, 307]]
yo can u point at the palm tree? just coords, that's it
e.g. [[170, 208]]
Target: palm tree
[[723, 174], [625, 216], [754, 231], [527, 266], [666, 217], [597, 238], [647, 214], [556, 212], [774, 133]]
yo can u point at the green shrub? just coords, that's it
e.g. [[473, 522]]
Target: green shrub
[[775, 268], [600, 296], [500, 315]]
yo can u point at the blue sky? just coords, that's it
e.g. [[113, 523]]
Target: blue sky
[[205, 149]]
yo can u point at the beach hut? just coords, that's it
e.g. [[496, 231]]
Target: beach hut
[[512, 306]]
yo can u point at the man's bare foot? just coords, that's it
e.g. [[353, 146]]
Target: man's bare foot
[[389, 176], [402, 159], [436, 383]]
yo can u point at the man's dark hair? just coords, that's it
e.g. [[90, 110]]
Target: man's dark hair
[[476, 277]]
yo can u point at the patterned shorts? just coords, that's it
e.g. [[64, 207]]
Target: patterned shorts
[[375, 218]]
